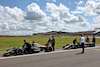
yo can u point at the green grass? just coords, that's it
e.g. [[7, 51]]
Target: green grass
[[9, 42]]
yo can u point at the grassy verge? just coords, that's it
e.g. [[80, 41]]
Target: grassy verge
[[9, 42]]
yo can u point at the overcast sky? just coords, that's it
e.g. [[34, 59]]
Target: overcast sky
[[25, 17]]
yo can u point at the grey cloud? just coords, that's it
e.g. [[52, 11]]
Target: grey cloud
[[84, 24], [31, 15], [74, 19], [98, 9]]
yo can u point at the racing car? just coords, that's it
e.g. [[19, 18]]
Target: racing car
[[20, 51], [71, 46], [48, 47], [14, 51], [36, 48]]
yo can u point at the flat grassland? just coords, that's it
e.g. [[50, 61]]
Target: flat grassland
[[10, 42]]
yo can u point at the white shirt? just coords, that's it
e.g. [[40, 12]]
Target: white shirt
[[82, 40]]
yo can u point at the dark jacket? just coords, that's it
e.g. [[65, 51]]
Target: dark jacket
[[87, 40], [49, 40], [93, 40], [74, 41], [53, 41], [28, 45]]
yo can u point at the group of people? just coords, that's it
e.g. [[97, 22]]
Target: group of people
[[52, 42], [82, 41], [27, 45]]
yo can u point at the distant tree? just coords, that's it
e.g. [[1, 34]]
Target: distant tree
[[34, 34], [67, 32], [60, 32], [52, 31]]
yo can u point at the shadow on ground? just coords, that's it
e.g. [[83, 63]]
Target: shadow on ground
[[79, 53]]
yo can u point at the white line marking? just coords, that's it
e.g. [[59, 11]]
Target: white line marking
[[47, 53]]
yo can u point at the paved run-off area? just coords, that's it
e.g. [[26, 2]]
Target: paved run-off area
[[63, 58]]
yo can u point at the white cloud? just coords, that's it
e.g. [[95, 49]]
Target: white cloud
[[80, 2], [97, 19], [52, 0], [92, 7], [1, 8], [14, 21], [4, 26], [93, 26], [34, 12], [98, 9], [15, 13], [85, 24], [55, 17], [76, 12], [62, 14], [51, 7], [80, 8], [59, 12], [75, 19]]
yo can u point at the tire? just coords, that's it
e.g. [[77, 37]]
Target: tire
[[20, 52], [93, 45], [50, 49], [6, 54], [63, 46]]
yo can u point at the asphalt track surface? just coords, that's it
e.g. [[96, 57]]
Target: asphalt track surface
[[60, 58]]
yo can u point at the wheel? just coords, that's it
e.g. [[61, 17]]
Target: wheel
[[50, 49], [20, 52], [93, 45], [41, 48], [63, 46], [6, 54]]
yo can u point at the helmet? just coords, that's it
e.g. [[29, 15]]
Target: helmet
[[24, 40], [33, 41]]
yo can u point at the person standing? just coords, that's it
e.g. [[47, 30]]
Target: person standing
[[74, 41], [87, 39], [49, 41], [93, 40], [82, 40], [53, 43]]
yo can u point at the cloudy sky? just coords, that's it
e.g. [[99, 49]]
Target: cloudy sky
[[25, 17]]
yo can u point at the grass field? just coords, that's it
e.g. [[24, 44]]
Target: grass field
[[10, 42]]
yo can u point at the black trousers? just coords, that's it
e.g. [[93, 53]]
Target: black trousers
[[94, 43], [82, 47], [53, 47]]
